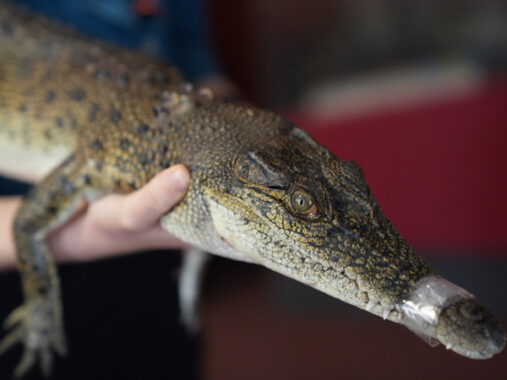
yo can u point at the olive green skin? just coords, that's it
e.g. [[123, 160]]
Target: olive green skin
[[104, 120]]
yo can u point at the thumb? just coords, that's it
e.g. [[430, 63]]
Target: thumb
[[144, 207]]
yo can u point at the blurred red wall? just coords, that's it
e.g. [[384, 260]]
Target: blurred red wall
[[439, 170]]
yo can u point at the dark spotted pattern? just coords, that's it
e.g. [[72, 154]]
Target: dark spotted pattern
[[115, 115], [50, 96], [142, 129], [86, 179], [77, 94], [124, 144], [162, 149], [158, 111], [67, 186], [59, 122], [92, 113], [96, 145], [143, 159]]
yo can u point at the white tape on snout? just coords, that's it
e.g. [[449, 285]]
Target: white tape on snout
[[424, 304]]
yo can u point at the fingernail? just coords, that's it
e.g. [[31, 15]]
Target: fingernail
[[178, 179]]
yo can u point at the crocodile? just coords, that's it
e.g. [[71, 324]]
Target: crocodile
[[83, 118]]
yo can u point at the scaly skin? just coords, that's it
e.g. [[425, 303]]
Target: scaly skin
[[262, 189]]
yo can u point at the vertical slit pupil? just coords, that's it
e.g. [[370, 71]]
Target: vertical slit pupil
[[302, 201]]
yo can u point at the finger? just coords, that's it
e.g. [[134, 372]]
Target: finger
[[144, 207], [114, 215]]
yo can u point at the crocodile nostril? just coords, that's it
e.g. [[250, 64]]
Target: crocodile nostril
[[472, 311]]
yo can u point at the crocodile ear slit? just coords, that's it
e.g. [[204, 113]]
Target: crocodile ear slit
[[255, 169]]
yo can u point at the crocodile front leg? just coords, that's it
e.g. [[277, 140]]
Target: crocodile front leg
[[38, 323]]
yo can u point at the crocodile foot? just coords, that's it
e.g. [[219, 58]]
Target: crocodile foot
[[38, 325]]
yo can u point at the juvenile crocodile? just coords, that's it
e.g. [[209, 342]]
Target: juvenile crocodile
[[104, 119]]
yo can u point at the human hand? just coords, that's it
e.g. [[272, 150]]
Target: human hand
[[118, 223]]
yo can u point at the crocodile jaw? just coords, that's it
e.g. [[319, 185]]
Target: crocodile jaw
[[425, 309], [337, 282]]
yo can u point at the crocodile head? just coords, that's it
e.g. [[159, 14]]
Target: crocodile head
[[294, 207]]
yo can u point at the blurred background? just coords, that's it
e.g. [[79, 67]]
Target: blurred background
[[416, 92]]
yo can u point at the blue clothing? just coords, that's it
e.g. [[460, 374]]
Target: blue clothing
[[177, 33]]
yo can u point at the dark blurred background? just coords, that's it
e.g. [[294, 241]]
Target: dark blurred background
[[416, 92]]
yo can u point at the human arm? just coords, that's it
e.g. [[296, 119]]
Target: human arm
[[114, 224]]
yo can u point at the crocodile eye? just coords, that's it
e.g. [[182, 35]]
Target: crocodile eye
[[303, 203]]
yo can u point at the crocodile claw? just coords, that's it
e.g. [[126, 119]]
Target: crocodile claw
[[38, 325]]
